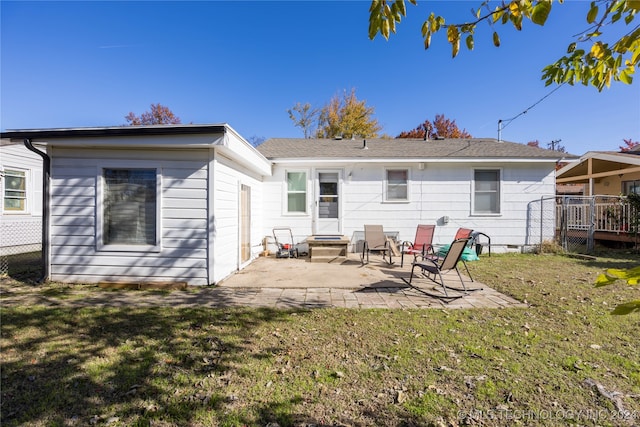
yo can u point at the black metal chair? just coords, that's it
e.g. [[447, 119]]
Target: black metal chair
[[435, 268]]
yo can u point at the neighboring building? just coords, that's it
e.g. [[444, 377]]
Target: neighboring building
[[336, 186], [603, 214], [570, 189], [604, 173], [195, 203], [21, 199]]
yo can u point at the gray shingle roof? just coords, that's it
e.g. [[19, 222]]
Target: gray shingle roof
[[476, 148]]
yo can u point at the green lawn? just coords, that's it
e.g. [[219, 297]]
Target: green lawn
[[564, 360]]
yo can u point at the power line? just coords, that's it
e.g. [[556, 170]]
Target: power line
[[508, 121]]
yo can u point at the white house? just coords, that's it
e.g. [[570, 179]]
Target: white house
[[336, 186], [194, 203], [21, 199], [157, 203]]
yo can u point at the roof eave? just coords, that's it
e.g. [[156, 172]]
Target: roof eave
[[413, 160], [44, 135]]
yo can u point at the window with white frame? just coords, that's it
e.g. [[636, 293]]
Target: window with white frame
[[397, 185], [296, 192], [15, 190], [486, 191], [130, 207]]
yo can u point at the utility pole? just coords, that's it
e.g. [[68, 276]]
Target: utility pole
[[553, 144]]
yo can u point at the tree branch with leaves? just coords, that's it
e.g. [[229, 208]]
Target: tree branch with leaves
[[590, 60]]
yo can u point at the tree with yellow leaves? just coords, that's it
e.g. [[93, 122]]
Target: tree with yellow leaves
[[590, 59], [347, 117]]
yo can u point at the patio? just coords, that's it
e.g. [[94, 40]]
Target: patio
[[287, 283], [290, 282]]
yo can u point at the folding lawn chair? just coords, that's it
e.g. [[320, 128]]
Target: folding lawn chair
[[464, 233], [437, 267], [376, 241], [422, 244]]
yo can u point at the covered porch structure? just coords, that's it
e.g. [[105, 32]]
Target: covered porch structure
[[604, 173]]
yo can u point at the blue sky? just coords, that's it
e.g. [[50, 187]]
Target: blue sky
[[78, 64]]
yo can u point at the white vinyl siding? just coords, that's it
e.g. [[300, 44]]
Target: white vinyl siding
[[438, 190], [229, 178], [183, 219]]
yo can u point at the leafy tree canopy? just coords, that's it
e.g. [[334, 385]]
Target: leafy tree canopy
[[345, 117], [590, 59], [440, 127], [348, 117], [158, 115]]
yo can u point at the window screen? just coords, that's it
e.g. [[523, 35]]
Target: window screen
[[487, 191]]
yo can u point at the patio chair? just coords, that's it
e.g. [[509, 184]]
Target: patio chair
[[376, 241], [422, 244], [464, 233], [437, 267]]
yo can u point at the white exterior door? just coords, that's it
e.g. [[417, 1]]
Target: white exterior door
[[327, 204]]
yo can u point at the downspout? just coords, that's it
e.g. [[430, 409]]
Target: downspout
[[46, 175]]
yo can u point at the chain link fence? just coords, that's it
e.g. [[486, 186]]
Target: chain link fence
[[20, 247], [576, 223], [541, 223]]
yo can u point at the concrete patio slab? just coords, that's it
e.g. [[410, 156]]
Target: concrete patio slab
[[350, 284], [287, 284]]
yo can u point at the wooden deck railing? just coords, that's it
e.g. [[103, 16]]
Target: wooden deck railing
[[610, 216]]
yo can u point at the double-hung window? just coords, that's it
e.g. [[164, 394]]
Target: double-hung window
[[486, 191], [397, 185], [15, 190], [130, 208], [296, 192]]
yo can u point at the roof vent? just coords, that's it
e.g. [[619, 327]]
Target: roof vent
[[439, 138], [338, 137]]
